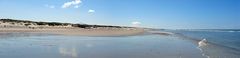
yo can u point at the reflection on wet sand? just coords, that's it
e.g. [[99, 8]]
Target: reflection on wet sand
[[72, 51], [89, 45], [68, 51], [21, 34]]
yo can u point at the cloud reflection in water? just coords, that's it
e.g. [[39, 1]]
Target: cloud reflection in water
[[68, 52]]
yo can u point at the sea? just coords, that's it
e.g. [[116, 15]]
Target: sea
[[181, 43]]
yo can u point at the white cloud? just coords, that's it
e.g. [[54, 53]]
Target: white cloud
[[67, 4], [91, 11], [49, 6], [78, 1], [136, 24], [74, 3]]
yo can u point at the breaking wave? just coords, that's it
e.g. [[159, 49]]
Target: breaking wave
[[202, 44]]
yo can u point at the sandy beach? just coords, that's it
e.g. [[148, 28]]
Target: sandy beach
[[79, 31]]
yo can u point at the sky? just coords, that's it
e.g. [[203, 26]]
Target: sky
[[168, 14]]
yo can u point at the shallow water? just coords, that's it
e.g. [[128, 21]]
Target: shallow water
[[25, 45]]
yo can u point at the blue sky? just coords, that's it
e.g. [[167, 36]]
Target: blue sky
[[170, 14]]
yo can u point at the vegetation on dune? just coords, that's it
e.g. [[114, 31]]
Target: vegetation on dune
[[57, 24], [11, 20]]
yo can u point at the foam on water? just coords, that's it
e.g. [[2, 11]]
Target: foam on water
[[201, 44]]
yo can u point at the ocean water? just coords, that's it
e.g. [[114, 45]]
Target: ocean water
[[221, 43], [181, 44]]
